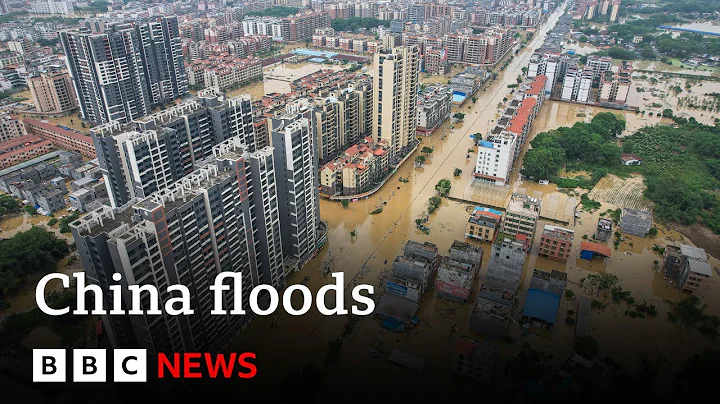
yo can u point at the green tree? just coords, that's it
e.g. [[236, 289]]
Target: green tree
[[457, 172], [345, 203], [459, 116], [667, 113], [420, 160], [443, 187], [8, 204], [30, 210], [426, 150], [543, 163]]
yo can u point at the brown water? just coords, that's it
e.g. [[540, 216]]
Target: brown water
[[381, 237]]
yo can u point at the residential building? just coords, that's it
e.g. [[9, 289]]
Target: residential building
[[52, 92], [211, 221], [507, 258], [435, 61], [356, 171], [615, 87], [52, 7], [636, 222], [483, 224], [521, 215], [10, 127], [467, 83], [556, 242], [132, 67], [457, 271], [414, 270], [615, 10], [153, 152], [474, 359], [434, 107], [485, 49], [295, 158], [599, 65], [491, 312], [20, 149], [61, 137], [395, 85], [696, 271], [223, 71], [10, 59], [604, 230], [543, 298], [577, 85], [21, 46]]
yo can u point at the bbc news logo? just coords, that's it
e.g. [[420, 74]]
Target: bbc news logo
[[130, 365]]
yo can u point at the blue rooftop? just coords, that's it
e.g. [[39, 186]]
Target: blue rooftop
[[541, 305], [493, 211]]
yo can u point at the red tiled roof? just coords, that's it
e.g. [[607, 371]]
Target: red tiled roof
[[522, 116], [537, 85], [596, 248], [54, 128]]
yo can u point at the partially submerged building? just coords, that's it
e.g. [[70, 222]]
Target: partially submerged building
[[604, 230], [483, 224], [474, 359], [636, 222], [556, 242], [588, 250], [454, 280], [696, 271], [543, 298], [491, 312], [412, 271], [507, 259], [521, 215]]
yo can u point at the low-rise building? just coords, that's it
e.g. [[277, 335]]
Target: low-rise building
[[474, 359], [491, 313], [521, 215], [412, 271], [356, 171], [483, 224], [23, 148], [696, 271], [454, 280], [62, 137], [555, 242], [434, 107], [636, 222], [604, 230]]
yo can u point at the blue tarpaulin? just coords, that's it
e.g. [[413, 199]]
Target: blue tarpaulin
[[587, 255], [541, 305]]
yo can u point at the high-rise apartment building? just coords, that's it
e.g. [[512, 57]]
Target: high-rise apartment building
[[213, 220], [52, 92], [152, 152], [120, 71], [395, 92], [295, 157]]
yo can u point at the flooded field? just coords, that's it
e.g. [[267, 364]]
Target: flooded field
[[627, 193]]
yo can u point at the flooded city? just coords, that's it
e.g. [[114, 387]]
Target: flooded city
[[363, 243]]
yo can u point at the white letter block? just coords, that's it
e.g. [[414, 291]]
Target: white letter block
[[49, 365], [89, 365], [130, 365]]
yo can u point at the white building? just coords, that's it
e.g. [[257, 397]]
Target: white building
[[52, 7], [495, 157]]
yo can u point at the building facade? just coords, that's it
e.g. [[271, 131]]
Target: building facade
[[120, 71], [52, 92]]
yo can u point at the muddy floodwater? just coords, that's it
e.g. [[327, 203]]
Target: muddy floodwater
[[366, 257]]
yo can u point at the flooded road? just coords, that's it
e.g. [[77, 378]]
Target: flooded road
[[365, 257]]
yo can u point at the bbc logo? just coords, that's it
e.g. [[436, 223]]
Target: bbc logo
[[89, 365]]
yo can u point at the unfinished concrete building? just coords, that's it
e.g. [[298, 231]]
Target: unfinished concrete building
[[491, 312], [696, 271], [467, 253], [454, 280], [604, 230], [413, 271], [506, 264], [521, 215]]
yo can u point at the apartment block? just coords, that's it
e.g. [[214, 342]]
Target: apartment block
[[556, 242], [210, 221], [395, 85], [52, 92], [20, 149], [434, 107], [10, 127], [120, 71], [357, 169], [154, 151], [483, 224], [295, 157]]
